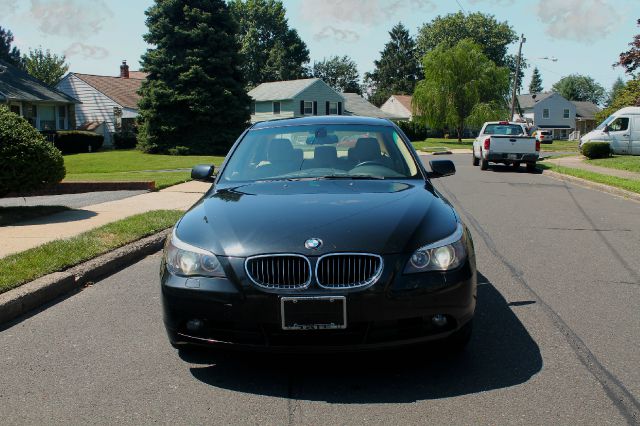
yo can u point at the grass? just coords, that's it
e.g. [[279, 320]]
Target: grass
[[19, 268], [133, 165], [438, 144], [11, 215], [628, 184], [560, 146], [629, 163]]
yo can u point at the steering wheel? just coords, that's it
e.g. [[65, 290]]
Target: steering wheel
[[370, 163]]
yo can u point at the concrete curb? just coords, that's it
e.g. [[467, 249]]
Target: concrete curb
[[593, 185], [36, 293]]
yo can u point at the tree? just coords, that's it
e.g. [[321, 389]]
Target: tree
[[459, 83], [398, 69], [45, 66], [536, 82], [629, 95], [341, 73], [630, 60], [8, 53], [272, 51], [616, 88], [576, 87], [194, 99]]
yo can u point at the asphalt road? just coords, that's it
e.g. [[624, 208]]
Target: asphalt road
[[557, 337]]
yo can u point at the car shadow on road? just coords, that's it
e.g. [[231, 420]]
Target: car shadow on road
[[74, 215], [501, 354]]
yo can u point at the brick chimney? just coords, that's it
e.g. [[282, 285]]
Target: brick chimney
[[124, 70]]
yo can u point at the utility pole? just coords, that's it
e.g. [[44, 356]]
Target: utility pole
[[515, 78]]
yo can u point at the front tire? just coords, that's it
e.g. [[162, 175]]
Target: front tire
[[531, 167], [484, 164], [476, 161]]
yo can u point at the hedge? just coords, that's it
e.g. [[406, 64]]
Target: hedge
[[124, 140], [75, 141], [593, 150], [27, 161]]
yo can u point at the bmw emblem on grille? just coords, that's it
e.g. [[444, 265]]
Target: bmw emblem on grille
[[313, 243]]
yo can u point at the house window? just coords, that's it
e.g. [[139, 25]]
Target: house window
[[545, 113], [15, 109], [565, 113], [308, 108], [253, 108], [276, 107], [62, 117], [47, 117], [30, 113], [333, 108]]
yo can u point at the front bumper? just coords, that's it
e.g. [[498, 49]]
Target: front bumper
[[396, 310], [508, 158]]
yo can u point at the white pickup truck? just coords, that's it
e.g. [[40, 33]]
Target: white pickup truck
[[507, 143]]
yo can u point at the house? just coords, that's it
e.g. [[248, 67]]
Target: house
[[46, 108], [399, 106], [357, 105], [294, 98], [553, 112], [105, 99]]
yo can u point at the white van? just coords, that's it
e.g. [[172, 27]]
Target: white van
[[621, 130]]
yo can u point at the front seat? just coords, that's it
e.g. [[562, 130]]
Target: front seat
[[282, 158], [367, 149], [325, 156]]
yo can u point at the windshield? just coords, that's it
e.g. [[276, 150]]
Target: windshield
[[602, 125], [321, 151], [503, 129]]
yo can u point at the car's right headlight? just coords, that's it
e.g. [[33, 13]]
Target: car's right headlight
[[443, 255], [187, 260]]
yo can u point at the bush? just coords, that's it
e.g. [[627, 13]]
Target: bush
[[27, 161], [124, 140], [413, 130], [179, 150], [593, 150], [75, 141]]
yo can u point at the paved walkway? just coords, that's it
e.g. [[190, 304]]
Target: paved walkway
[[577, 162], [67, 224]]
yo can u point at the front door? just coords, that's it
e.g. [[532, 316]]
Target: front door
[[619, 134]]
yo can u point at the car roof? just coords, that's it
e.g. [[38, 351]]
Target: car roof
[[322, 120]]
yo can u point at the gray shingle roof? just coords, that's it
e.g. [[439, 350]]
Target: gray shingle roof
[[528, 100], [586, 110], [280, 90], [16, 84], [357, 105]]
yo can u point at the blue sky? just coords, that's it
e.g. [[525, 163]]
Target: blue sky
[[585, 36]]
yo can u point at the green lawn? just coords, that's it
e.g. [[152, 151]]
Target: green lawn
[[628, 184], [560, 146], [133, 165], [438, 144], [629, 163], [19, 268], [11, 215]]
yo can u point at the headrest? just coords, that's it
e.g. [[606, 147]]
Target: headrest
[[367, 149], [325, 154], [280, 150]]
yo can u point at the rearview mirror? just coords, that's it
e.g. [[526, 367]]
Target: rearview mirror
[[203, 172], [441, 168]]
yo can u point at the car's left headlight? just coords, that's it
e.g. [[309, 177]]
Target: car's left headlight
[[443, 255], [187, 260]]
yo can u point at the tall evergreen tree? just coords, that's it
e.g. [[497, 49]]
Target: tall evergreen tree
[[193, 100], [397, 70], [341, 73], [617, 87], [536, 82], [272, 51], [45, 66], [7, 52]]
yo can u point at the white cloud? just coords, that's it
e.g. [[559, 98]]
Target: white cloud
[[345, 36], [578, 20], [70, 18], [86, 51]]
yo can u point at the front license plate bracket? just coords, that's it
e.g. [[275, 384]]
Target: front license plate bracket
[[313, 313]]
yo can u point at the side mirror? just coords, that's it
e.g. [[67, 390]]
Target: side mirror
[[606, 129], [441, 168], [203, 172]]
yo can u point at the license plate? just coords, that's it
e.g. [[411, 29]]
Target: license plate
[[313, 313], [512, 156]]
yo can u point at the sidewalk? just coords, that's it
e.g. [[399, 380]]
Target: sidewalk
[[26, 235], [577, 162]]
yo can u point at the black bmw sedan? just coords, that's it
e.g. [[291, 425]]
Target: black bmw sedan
[[320, 234]]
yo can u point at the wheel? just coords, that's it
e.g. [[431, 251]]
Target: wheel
[[476, 161], [531, 167], [515, 165], [484, 164]]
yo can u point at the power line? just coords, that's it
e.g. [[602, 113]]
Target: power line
[[458, 1]]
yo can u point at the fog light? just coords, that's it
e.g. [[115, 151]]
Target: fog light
[[194, 324], [439, 320]]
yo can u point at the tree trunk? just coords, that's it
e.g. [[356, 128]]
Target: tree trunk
[[460, 130]]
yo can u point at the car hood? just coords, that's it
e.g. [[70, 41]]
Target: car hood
[[370, 216]]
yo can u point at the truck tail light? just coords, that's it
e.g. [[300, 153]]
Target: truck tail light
[[537, 145], [487, 143]]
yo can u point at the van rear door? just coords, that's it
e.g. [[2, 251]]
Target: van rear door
[[634, 138]]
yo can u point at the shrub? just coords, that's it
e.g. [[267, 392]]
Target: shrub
[[179, 150], [75, 141], [124, 140], [413, 130], [27, 161], [593, 150]]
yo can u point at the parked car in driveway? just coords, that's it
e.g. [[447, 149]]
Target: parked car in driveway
[[507, 143], [621, 130], [310, 245], [543, 136]]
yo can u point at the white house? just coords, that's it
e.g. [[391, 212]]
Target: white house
[[399, 106], [110, 100]]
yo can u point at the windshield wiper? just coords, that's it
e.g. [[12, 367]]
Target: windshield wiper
[[350, 177]]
